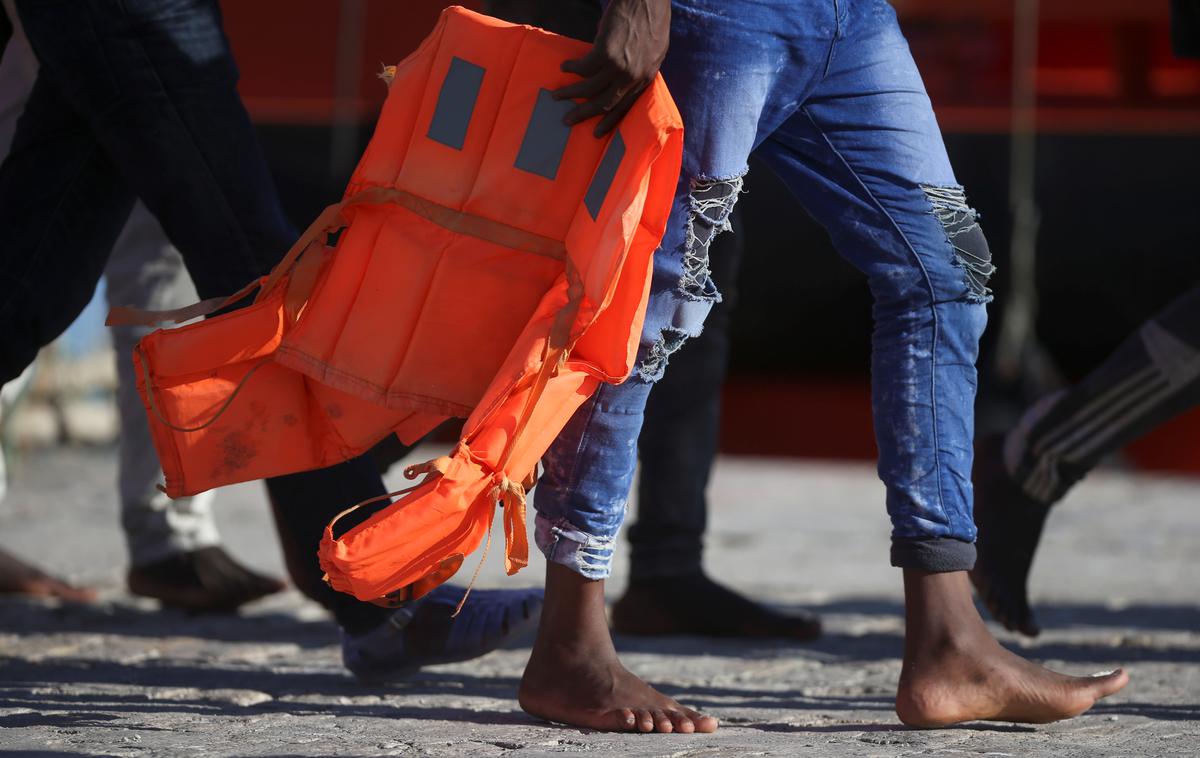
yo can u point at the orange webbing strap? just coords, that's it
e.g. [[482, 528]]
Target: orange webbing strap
[[141, 360], [477, 226], [331, 219], [516, 541], [512, 494], [301, 283], [121, 315]]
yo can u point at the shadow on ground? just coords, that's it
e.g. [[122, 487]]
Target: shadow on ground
[[1053, 616], [35, 616], [1099, 633], [1089, 634]]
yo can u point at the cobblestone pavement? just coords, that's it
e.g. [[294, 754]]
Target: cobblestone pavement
[[1116, 584]]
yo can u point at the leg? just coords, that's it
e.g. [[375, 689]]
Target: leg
[[174, 549], [582, 495], [5, 30], [668, 592], [721, 77], [955, 671], [574, 675], [303, 504], [1152, 377], [156, 84], [678, 441], [381, 644], [64, 204], [17, 75], [865, 156]]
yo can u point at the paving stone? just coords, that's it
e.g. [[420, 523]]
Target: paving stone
[[1116, 584]]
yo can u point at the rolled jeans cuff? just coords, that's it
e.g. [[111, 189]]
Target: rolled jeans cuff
[[565, 544], [936, 555]]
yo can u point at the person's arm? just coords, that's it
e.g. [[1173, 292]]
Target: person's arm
[[630, 46]]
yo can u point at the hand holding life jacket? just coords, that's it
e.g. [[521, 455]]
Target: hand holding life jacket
[[492, 264]]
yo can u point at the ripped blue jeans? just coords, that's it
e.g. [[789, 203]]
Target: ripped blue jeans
[[827, 93]]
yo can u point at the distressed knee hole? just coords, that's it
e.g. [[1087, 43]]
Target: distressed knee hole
[[711, 202], [654, 365], [961, 224]]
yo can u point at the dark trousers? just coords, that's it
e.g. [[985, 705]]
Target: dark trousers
[[678, 441], [138, 99], [1153, 376]]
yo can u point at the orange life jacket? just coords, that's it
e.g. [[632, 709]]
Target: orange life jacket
[[492, 264]]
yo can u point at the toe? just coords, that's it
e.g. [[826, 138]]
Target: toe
[[623, 720], [645, 721], [702, 723], [1106, 684], [662, 722], [680, 722]]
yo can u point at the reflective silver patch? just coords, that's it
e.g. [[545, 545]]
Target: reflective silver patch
[[546, 136], [606, 172], [456, 103]]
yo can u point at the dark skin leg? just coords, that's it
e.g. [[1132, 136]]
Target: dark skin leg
[[955, 671], [575, 677]]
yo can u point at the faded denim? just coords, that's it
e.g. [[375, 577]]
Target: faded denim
[[827, 93]]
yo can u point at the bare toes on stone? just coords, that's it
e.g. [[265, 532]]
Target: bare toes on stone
[[1106, 684], [700, 722], [680, 722], [645, 721]]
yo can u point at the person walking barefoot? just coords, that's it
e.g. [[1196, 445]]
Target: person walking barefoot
[[828, 94]]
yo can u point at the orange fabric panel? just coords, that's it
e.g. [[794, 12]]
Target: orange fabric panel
[[450, 184], [524, 199]]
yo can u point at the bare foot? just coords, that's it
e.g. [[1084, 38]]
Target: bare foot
[[955, 671], [18, 577], [574, 676]]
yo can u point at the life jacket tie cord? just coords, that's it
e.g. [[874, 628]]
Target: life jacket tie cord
[[141, 360], [432, 470], [511, 497]]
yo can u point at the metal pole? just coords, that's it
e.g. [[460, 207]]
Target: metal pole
[[1017, 336], [343, 152]]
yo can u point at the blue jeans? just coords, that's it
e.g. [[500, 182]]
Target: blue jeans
[[828, 95]]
